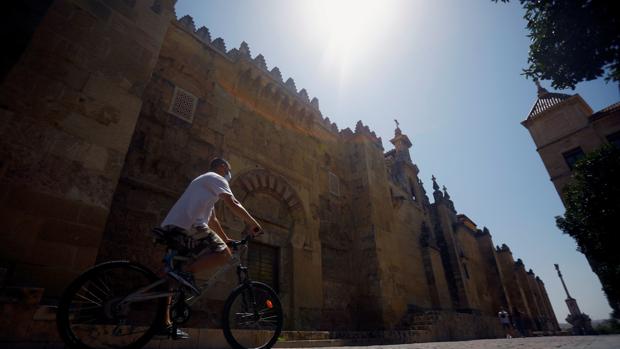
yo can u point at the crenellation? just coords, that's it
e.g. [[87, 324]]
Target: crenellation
[[346, 132], [326, 122], [220, 45], [275, 72], [204, 35], [260, 62], [503, 248], [290, 84], [304, 95], [244, 50], [361, 129], [233, 54], [187, 22], [315, 103]]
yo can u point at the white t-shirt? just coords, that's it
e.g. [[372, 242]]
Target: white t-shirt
[[194, 207]]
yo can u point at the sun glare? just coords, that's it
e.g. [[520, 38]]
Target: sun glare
[[346, 29]]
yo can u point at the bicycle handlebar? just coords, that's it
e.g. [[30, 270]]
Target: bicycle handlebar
[[245, 240]]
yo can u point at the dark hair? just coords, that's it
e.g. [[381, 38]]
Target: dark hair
[[217, 162]]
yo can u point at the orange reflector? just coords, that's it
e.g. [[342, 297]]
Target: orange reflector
[[269, 304]]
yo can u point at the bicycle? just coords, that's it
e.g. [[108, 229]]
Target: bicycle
[[122, 304]]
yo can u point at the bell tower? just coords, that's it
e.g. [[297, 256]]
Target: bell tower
[[402, 144]]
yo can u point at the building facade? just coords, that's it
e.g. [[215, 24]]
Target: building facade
[[564, 128], [114, 107]]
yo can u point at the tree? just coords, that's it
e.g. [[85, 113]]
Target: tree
[[572, 41], [592, 217]]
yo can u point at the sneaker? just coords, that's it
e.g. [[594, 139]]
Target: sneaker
[[185, 279], [172, 332]]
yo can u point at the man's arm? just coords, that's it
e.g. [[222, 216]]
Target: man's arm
[[239, 211], [214, 224]]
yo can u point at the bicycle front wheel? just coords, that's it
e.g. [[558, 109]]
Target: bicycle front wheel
[[252, 317], [93, 311]]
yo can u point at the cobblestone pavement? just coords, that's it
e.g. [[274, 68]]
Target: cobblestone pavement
[[568, 342]]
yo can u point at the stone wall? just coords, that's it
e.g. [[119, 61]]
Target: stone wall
[[282, 152], [68, 108], [115, 107]]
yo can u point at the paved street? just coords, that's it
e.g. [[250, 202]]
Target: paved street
[[586, 342]]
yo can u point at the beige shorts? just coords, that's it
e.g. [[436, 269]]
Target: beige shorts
[[203, 239]]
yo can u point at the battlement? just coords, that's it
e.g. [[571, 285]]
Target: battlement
[[519, 264], [503, 248], [243, 53]]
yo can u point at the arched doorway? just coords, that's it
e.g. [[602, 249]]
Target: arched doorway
[[277, 207]]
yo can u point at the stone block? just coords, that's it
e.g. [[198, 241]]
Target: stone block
[[92, 215], [95, 8], [42, 204], [55, 279], [95, 158], [51, 254], [70, 233]]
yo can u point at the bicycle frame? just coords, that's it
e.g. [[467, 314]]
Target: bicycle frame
[[143, 294]]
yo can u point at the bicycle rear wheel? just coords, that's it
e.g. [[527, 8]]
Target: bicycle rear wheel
[[252, 317], [92, 314]]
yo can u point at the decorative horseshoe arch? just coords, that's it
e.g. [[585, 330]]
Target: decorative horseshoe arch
[[271, 184]]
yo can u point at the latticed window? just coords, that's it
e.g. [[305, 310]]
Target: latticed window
[[263, 261], [183, 104], [334, 184]]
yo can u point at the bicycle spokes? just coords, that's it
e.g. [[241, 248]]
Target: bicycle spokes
[[253, 317], [98, 314]]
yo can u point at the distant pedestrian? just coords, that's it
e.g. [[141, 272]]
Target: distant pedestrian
[[504, 319]]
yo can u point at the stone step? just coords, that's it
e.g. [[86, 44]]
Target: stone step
[[336, 342], [304, 335], [313, 343]]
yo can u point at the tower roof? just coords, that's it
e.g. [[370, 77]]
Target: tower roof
[[545, 101], [400, 139]]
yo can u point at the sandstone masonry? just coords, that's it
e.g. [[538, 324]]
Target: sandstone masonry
[[115, 106]]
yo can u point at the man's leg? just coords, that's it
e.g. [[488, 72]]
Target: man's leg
[[209, 261]]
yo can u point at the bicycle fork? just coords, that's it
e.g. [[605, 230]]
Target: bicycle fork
[[242, 275]]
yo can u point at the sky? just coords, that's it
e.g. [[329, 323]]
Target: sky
[[450, 72]]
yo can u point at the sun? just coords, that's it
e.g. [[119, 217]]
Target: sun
[[346, 28]]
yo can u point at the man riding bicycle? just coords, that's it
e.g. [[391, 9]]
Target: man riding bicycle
[[193, 214]]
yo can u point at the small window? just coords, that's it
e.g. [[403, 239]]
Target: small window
[[572, 156], [183, 104], [334, 184], [614, 139], [263, 261]]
